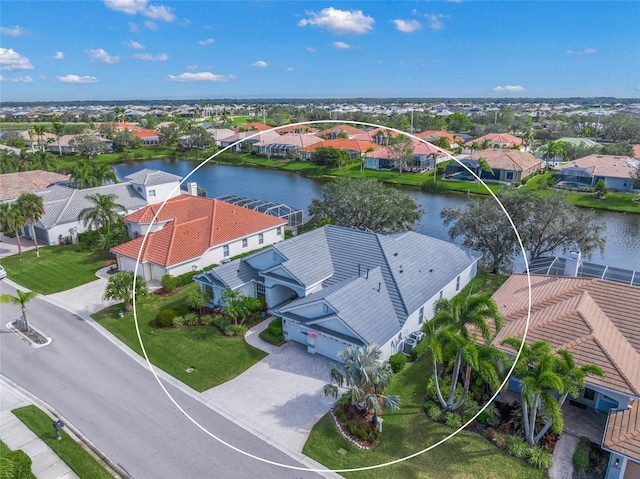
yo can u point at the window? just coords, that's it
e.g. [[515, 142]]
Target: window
[[325, 308], [458, 283], [245, 243], [225, 250], [421, 315], [509, 175], [152, 193], [279, 229], [260, 291], [260, 238]]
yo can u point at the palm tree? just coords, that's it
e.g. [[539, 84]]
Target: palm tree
[[103, 173], [42, 160], [11, 219], [82, 174], [365, 377], [120, 288], [40, 130], [22, 298], [58, 130], [32, 208], [104, 214], [452, 324]]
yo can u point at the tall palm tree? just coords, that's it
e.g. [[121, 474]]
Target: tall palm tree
[[58, 130], [11, 219], [104, 214], [365, 377], [103, 173], [42, 160], [120, 288], [82, 175], [32, 208], [453, 323], [40, 130], [21, 299]]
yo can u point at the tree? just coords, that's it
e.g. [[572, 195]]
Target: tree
[[365, 203], [32, 208], [89, 145], [58, 130], [39, 131], [104, 214], [329, 156], [12, 219], [400, 152], [170, 134], [635, 175], [600, 190], [623, 148], [198, 299], [41, 160], [553, 149], [21, 299], [365, 377], [120, 288], [451, 327], [124, 139], [238, 306], [459, 123]]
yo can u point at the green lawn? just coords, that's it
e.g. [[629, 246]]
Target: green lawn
[[408, 431], [214, 357], [5, 451], [76, 457], [57, 269]]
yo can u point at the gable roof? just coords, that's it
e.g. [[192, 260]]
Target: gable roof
[[150, 177], [419, 149], [606, 165], [193, 225], [341, 144], [435, 134], [506, 159], [252, 126], [622, 433], [13, 185], [295, 139], [505, 138], [596, 320], [351, 131]]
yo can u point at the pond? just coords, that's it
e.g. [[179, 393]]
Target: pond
[[622, 229]]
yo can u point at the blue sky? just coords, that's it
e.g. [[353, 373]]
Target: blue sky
[[139, 49]]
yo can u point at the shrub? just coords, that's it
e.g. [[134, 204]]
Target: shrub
[[165, 318], [539, 458], [186, 278], [516, 447], [206, 320], [222, 322], [179, 321], [235, 330], [433, 411], [275, 327], [168, 283], [7, 468], [453, 420], [470, 406], [21, 463], [445, 386], [500, 440], [581, 455], [419, 350], [397, 362], [190, 319]]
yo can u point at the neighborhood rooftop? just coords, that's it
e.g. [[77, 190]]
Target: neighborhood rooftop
[[555, 266], [293, 216]]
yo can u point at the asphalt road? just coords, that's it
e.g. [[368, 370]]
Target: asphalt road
[[118, 405]]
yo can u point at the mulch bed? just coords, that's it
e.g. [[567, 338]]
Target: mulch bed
[[33, 335], [597, 468]]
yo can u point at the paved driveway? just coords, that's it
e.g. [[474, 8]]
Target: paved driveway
[[281, 395]]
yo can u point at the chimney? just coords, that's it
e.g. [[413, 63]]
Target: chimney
[[192, 188], [572, 264]]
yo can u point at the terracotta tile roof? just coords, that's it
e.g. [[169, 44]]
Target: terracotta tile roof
[[297, 129], [341, 144], [435, 134], [348, 129], [372, 134], [623, 431], [143, 133], [596, 320], [296, 139], [125, 125], [636, 152], [605, 165], [193, 225], [13, 185], [507, 159], [253, 125], [506, 138], [419, 148]]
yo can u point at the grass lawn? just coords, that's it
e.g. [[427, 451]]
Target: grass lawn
[[5, 451], [76, 457], [214, 357], [408, 431], [57, 269]]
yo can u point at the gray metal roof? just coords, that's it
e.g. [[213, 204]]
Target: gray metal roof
[[229, 275], [308, 256], [554, 266], [149, 177]]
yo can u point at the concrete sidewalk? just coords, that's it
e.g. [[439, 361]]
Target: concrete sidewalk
[[46, 463]]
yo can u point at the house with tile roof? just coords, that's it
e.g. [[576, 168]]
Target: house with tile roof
[[498, 140], [191, 233], [148, 137], [433, 135], [335, 286], [252, 126], [507, 165], [339, 131], [425, 157], [355, 148], [13, 185], [286, 145], [251, 137], [616, 171], [597, 322]]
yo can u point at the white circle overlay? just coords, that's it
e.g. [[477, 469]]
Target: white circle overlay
[[301, 468]]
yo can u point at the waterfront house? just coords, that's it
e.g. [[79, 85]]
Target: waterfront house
[[614, 170], [425, 157], [507, 165]]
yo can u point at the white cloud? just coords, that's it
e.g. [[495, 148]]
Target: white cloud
[[184, 22], [312, 50], [342, 45], [77, 79], [207, 41], [200, 76], [133, 45], [586, 51], [24, 79], [290, 69], [100, 55], [339, 21], [13, 31], [58, 56], [407, 26], [11, 61], [260, 64], [435, 20], [509, 88], [161, 57], [133, 7], [150, 25]]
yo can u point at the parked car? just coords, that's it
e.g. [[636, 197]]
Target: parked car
[[3, 273]]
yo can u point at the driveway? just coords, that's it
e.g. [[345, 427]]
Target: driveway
[[281, 395]]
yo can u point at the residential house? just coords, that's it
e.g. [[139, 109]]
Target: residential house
[[425, 157], [219, 133], [252, 126], [286, 145], [434, 135], [498, 140], [614, 170], [251, 137], [190, 233], [596, 321], [13, 185], [507, 165], [355, 148], [148, 137], [335, 286], [339, 131]]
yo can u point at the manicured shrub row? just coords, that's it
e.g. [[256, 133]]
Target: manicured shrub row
[[516, 447]]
